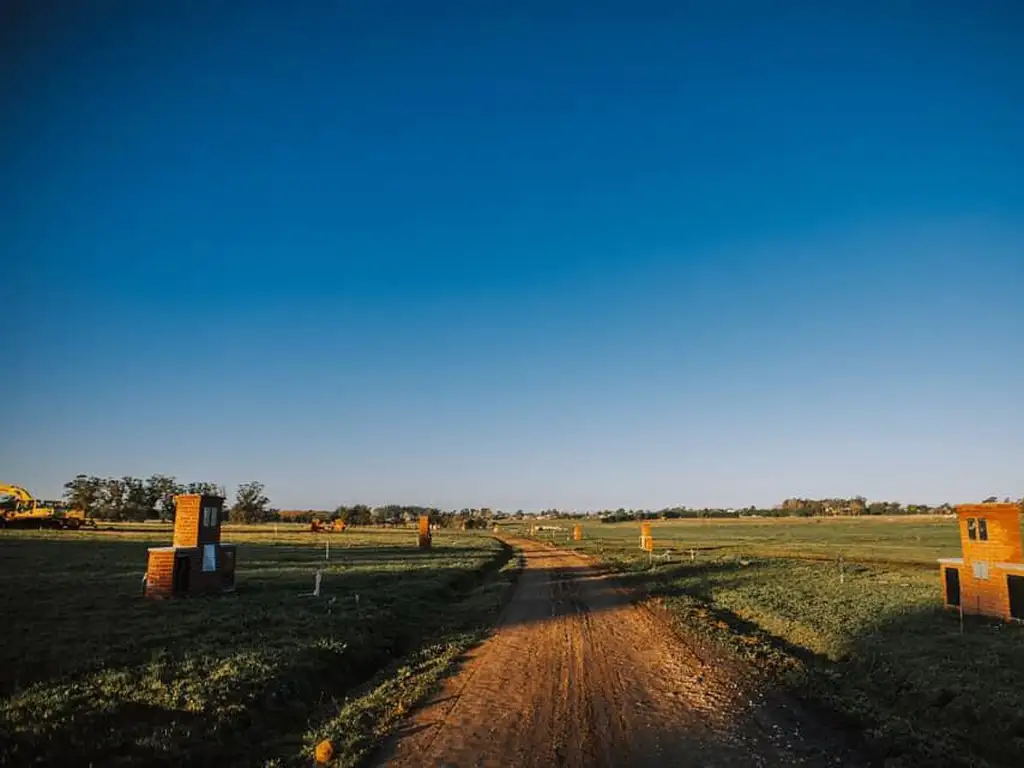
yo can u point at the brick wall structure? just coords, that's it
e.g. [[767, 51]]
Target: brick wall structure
[[197, 562], [424, 532], [160, 572], [989, 578], [646, 539]]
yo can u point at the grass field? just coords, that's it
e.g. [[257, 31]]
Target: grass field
[[92, 672], [875, 645], [906, 539]]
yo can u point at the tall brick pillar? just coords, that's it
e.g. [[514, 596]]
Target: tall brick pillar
[[197, 562]]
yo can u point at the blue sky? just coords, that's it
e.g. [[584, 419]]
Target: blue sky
[[523, 256]]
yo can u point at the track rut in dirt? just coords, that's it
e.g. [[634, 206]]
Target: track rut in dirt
[[576, 675]]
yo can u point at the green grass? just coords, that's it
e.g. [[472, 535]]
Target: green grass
[[876, 648], [92, 672], [887, 539]]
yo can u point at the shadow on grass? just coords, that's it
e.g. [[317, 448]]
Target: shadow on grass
[[284, 655], [907, 685], [910, 687]]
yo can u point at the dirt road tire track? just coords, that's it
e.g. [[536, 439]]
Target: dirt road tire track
[[575, 675]]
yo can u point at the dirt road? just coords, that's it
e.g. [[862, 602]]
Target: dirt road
[[576, 675]]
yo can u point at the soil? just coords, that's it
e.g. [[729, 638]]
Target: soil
[[576, 674]]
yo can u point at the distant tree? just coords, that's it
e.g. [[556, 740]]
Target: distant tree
[[990, 500], [162, 489], [138, 504], [296, 515], [112, 500], [208, 489], [360, 514], [250, 504], [85, 492]]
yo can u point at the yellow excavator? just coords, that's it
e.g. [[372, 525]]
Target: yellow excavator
[[324, 526], [19, 509]]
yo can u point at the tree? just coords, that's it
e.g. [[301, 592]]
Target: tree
[[112, 499], [137, 502], [360, 514], [990, 500], [207, 489], [85, 493], [162, 490], [250, 504]]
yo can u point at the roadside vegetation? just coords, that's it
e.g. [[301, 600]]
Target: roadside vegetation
[[92, 672], [845, 613]]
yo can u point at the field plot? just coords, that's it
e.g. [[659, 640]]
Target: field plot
[[889, 539], [92, 672], [871, 642]]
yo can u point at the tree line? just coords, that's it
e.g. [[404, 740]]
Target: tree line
[[396, 515], [795, 507], [137, 499]]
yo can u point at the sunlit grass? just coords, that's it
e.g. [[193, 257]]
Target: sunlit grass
[[868, 639], [90, 668]]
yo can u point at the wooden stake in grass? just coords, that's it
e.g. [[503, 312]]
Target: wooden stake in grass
[[317, 578], [842, 572], [327, 549]]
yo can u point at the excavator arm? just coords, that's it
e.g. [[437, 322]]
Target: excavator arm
[[17, 492], [27, 510]]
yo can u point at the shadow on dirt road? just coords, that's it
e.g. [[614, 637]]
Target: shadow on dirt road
[[577, 675]]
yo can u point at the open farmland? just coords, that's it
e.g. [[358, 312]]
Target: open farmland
[[903, 539], [870, 642], [91, 672], [574, 674]]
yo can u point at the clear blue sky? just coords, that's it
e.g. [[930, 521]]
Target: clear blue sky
[[543, 254]]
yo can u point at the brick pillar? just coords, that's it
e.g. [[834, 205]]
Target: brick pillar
[[646, 540], [424, 537]]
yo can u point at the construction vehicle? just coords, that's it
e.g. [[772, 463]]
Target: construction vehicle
[[19, 509], [323, 526]]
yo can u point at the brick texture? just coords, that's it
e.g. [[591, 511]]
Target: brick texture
[[189, 528], [424, 532], [186, 520], [193, 530], [160, 573], [984, 588]]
